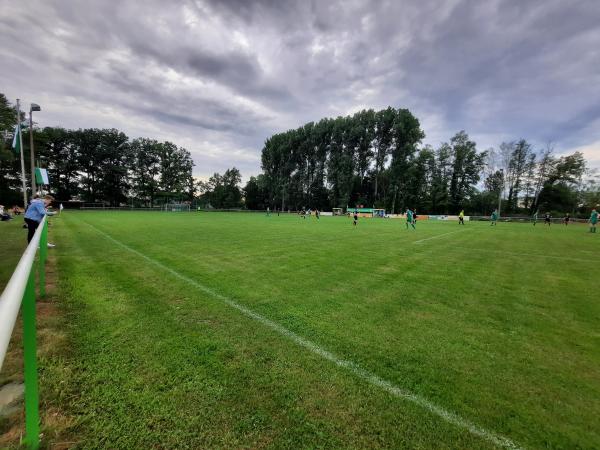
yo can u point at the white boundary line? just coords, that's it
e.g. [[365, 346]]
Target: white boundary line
[[437, 236], [373, 379]]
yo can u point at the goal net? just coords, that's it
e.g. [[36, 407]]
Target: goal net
[[337, 212], [378, 212], [177, 207]]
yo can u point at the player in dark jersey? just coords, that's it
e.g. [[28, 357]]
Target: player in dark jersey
[[547, 219]]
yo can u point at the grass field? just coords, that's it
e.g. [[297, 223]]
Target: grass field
[[13, 240], [197, 330]]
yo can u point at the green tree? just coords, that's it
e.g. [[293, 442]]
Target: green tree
[[223, 191], [560, 191], [88, 143], [116, 159], [255, 193], [145, 170], [57, 150], [176, 167], [10, 169], [466, 166], [382, 142], [520, 161], [407, 134]]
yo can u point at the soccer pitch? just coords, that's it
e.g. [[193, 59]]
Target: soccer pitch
[[219, 330]]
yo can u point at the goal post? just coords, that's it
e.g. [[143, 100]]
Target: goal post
[[337, 211], [378, 212]]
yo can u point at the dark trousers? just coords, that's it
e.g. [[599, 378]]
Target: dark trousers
[[31, 227]]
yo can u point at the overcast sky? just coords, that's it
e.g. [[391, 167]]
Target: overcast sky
[[220, 77]]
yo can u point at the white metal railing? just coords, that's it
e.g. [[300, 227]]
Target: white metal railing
[[20, 292]]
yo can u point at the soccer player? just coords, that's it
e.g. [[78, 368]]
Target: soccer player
[[415, 217], [593, 220], [535, 216], [317, 214], [494, 218], [268, 212], [566, 219], [547, 218], [410, 219], [461, 217], [355, 217]]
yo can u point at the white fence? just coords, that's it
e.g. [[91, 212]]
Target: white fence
[[20, 292]]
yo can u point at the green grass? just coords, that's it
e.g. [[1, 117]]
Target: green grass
[[13, 240], [496, 325]]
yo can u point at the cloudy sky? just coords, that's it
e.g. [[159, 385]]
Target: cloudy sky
[[220, 77]]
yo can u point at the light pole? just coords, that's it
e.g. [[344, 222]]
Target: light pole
[[33, 107], [20, 144], [501, 189]]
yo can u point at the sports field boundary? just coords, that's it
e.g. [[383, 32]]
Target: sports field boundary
[[314, 348]]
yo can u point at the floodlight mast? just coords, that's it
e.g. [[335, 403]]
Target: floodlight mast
[[33, 107], [18, 130], [501, 189]]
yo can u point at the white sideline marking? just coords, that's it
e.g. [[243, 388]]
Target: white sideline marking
[[437, 236], [373, 379]]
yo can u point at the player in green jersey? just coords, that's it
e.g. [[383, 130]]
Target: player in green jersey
[[494, 218], [410, 219], [593, 220], [535, 215]]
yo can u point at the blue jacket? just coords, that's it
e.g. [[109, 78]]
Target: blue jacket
[[36, 211]]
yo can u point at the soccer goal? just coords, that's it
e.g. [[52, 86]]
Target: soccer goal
[[378, 212], [177, 207], [337, 212]]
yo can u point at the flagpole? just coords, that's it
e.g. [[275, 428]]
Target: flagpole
[[21, 152]]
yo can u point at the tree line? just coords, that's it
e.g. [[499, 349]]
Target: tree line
[[98, 165], [371, 158], [375, 158]]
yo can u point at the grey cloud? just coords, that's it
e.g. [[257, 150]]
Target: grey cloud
[[495, 68]]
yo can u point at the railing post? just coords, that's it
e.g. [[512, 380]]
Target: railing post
[[32, 420], [43, 256]]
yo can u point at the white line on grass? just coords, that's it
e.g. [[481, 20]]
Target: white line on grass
[[373, 379], [437, 236]]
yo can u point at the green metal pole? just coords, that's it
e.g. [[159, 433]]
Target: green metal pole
[[43, 256], [32, 414]]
